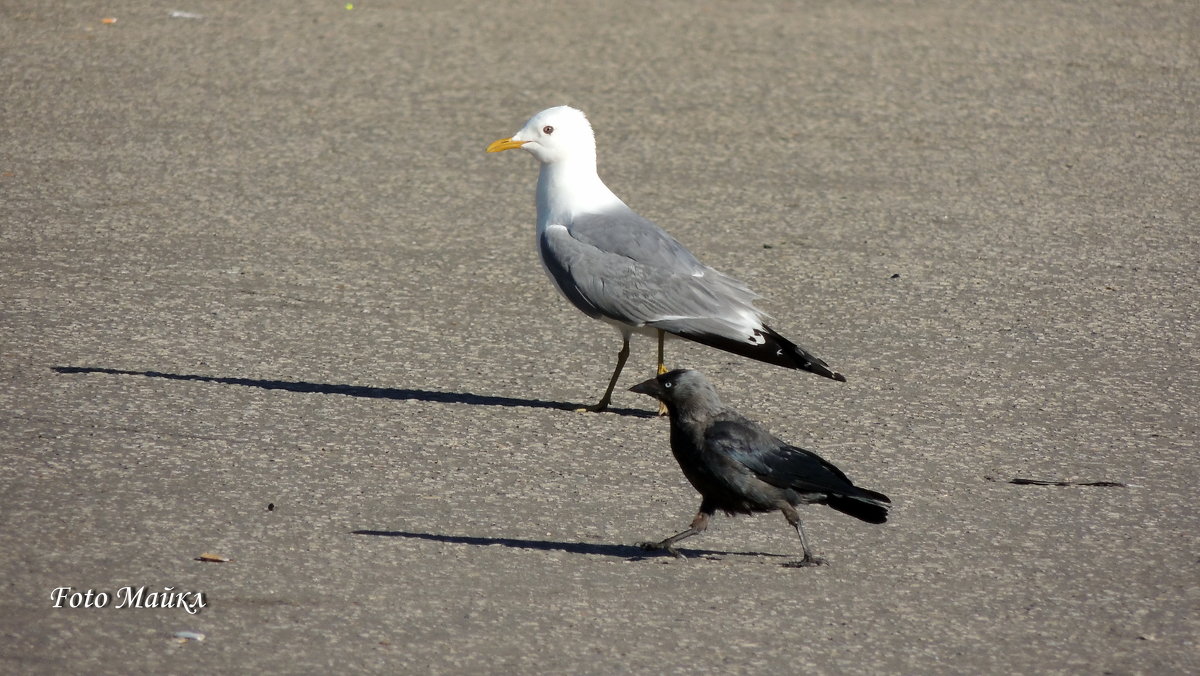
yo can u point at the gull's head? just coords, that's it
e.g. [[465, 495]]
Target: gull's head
[[553, 135]]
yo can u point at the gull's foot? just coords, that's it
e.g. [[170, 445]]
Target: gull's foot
[[594, 408], [661, 547], [662, 409], [806, 562]]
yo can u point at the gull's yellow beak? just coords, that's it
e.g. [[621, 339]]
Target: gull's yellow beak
[[504, 144]]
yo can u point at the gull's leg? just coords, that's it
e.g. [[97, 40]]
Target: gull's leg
[[699, 525], [793, 518], [662, 368], [603, 403]]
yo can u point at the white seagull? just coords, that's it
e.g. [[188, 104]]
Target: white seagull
[[619, 267]]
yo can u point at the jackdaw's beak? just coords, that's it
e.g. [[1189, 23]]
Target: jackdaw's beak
[[651, 387]]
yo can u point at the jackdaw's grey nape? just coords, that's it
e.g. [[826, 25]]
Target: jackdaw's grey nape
[[618, 267], [741, 468]]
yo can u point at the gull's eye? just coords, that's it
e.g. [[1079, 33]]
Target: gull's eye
[[547, 130]]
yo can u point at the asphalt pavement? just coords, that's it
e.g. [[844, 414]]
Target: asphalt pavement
[[274, 337]]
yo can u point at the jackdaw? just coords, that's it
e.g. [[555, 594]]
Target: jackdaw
[[741, 468]]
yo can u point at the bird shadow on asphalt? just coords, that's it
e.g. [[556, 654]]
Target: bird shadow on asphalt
[[364, 391], [630, 552]]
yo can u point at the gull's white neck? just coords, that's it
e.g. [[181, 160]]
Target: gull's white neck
[[568, 187]]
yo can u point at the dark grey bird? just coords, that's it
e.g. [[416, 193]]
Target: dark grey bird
[[741, 468]]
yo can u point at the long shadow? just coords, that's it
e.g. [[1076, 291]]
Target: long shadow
[[356, 390], [621, 551]]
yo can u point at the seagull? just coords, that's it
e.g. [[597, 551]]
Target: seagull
[[620, 268]]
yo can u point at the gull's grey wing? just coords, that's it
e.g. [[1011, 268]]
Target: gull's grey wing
[[645, 290], [622, 231]]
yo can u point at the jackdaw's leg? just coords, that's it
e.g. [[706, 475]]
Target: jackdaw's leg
[[699, 525], [603, 403], [662, 367], [793, 518]]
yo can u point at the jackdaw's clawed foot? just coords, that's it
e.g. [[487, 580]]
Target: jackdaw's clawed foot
[[806, 562], [661, 547]]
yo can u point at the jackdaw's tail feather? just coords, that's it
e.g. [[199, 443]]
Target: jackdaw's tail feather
[[866, 505]]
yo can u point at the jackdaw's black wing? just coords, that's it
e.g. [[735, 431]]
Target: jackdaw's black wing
[[778, 463], [785, 466]]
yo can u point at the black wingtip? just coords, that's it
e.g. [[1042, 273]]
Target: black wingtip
[[801, 358], [814, 365], [771, 348]]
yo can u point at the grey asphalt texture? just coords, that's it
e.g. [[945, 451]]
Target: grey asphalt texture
[[263, 295]]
